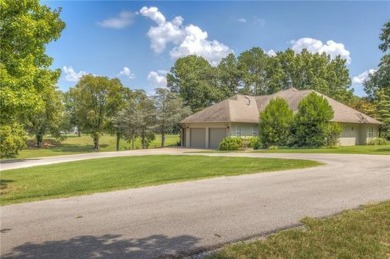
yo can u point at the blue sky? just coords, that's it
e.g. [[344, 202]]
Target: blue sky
[[139, 41]]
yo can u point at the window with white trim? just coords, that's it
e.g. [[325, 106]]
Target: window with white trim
[[371, 132], [255, 131], [238, 131]]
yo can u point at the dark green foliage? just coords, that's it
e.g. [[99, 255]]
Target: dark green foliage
[[312, 71], [230, 143], [311, 121], [385, 37], [383, 111], [275, 123], [254, 142], [379, 82], [333, 133], [97, 99], [194, 79], [254, 66]]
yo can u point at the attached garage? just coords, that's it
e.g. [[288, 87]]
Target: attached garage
[[198, 137], [216, 135]]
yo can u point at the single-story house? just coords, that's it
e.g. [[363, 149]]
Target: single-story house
[[239, 116]]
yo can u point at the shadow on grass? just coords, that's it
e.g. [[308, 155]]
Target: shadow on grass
[[15, 160], [4, 184], [71, 148], [108, 246]]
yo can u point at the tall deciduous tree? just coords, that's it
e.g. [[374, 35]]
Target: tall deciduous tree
[[137, 119], [97, 99], [311, 121], [195, 80], [230, 75], [380, 80], [170, 110], [49, 120], [275, 123], [312, 71], [378, 85], [254, 66], [25, 29], [382, 104]]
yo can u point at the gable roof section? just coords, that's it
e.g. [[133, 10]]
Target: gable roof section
[[246, 109]]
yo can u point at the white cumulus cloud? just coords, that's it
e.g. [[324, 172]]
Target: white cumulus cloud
[[361, 78], [164, 32], [242, 20], [187, 40], [157, 79], [71, 75], [196, 43], [126, 72], [316, 46], [123, 20], [271, 53]]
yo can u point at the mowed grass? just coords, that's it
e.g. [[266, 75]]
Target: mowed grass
[[76, 145], [107, 174], [359, 149], [363, 233]]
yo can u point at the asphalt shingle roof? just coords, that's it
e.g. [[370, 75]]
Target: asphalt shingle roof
[[242, 108]]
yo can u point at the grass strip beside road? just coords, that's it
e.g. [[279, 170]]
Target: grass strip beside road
[[359, 149], [362, 233], [108, 174]]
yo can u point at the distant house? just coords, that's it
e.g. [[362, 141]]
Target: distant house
[[239, 116]]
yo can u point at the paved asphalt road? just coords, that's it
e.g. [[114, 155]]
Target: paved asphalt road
[[175, 219]]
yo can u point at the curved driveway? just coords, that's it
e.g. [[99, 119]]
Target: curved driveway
[[182, 218]]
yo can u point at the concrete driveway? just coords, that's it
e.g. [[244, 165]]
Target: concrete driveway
[[184, 218]]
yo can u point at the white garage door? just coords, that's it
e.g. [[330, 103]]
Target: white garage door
[[198, 138], [216, 136]]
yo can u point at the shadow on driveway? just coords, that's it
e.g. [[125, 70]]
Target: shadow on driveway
[[107, 246]]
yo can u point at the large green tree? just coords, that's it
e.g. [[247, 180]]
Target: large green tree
[[377, 86], [230, 75], [137, 119], [170, 109], [26, 27], [382, 104], [195, 80], [97, 99], [50, 119], [311, 121], [312, 71], [380, 80], [253, 65], [275, 123]]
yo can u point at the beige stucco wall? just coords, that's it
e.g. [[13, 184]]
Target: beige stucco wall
[[350, 135], [357, 134]]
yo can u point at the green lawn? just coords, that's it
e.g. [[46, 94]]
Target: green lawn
[[360, 149], [100, 175], [75, 145], [363, 233]]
